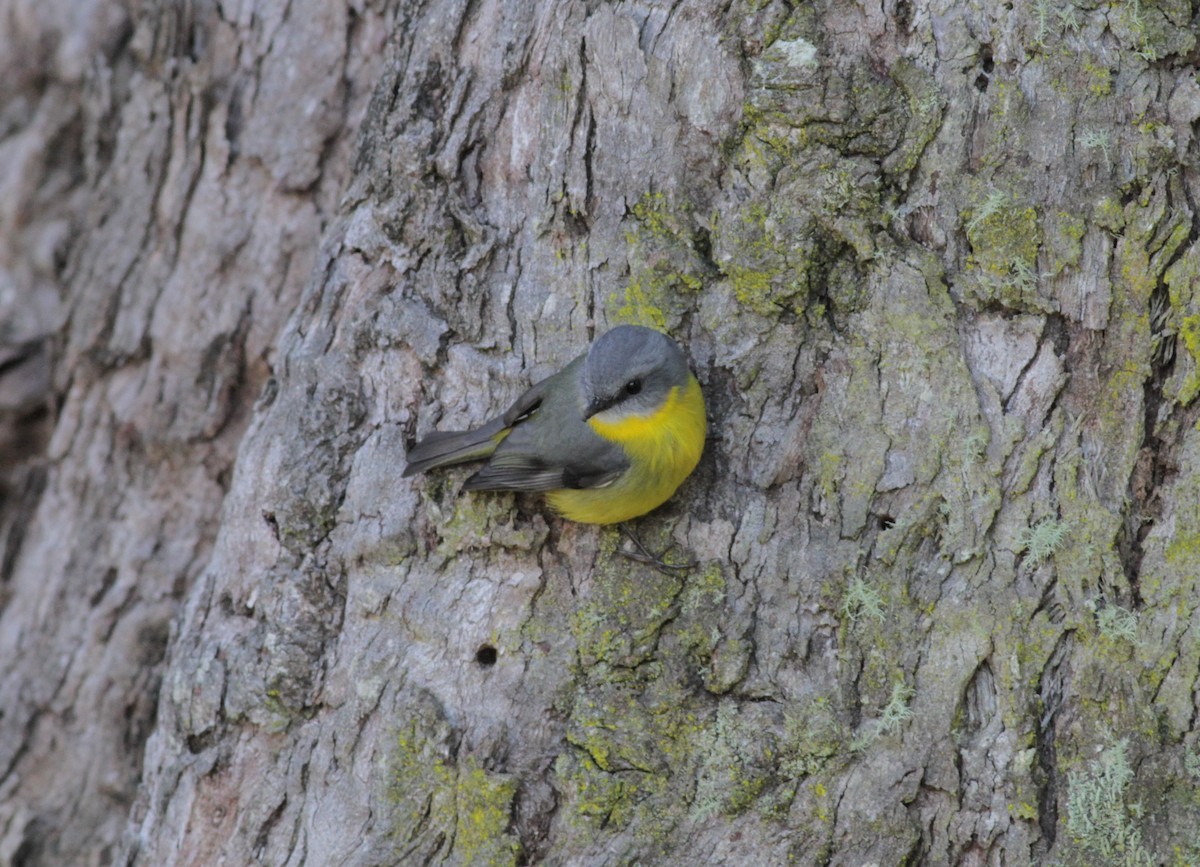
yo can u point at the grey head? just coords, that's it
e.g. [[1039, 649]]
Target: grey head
[[630, 370]]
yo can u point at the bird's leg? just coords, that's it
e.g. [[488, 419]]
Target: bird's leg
[[642, 555]]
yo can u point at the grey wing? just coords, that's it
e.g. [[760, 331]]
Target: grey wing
[[515, 471], [552, 449], [443, 448]]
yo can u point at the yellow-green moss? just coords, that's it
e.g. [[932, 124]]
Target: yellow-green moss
[[1005, 240], [636, 308], [458, 800], [765, 272], [663, 263], [813, 739], [1189, 336], [1064, 241], [484, 804], [636, 724], [484, 520], [273, 715], [728, 782], [1099, 79], [619, 623], [925, 114], [656, 218], [1108, 214], [633, 739]]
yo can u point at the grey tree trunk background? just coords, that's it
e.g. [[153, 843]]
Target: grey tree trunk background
[[936, 266]]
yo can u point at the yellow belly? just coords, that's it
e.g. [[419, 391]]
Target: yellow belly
[[663, 449]]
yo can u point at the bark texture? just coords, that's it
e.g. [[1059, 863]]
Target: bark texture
[[935, 264]]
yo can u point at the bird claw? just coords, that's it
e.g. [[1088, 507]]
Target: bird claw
[[642, 555]]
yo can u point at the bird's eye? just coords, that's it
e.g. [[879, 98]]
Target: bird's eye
[[633, 386]]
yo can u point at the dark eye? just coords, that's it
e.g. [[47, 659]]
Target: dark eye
[[633, 386]]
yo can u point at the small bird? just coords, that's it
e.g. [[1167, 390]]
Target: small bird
[[607, 438]]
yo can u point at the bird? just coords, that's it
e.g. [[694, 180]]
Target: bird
[[606, 439]]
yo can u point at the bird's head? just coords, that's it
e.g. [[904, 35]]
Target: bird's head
[[630, 371]]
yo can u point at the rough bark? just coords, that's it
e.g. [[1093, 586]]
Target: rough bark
[[936, 267], [167, 177]]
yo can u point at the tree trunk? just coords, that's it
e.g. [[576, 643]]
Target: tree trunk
[[935, 266]]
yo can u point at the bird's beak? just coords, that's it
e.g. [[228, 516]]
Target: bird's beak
[[598, 404]]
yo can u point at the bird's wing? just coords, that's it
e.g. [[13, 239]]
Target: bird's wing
[[443, 448], [517, 471], [553, 448], [540, 443]]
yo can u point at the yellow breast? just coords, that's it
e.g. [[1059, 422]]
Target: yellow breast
[[663, 449]]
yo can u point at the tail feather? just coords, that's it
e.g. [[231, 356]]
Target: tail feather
[[444, 448]]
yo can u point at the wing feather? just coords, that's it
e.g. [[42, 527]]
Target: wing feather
[[519, 472], [444, 448], [540, 443]]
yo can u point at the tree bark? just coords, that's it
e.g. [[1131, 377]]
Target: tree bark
[[935, 266]]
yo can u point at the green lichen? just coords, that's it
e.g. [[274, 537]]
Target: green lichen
[[1005, 239], [824, 167], [753, 288], [1099, 79], [892, 716], [483, 806], [1108, 214], [657, 219], [637, 308], [861, 600], [1152, 31], [1064, 234], [629, 723], [1004, 125], [1052, 20], [273, 715], [619, 624], [925, 105], [765, 267], [829, 471], [1191, 764], [1183, 280], [1099, 819], [1117, 624], [705, 589], [635, 722], [454, 799], [727, 784], [481, 522], [633, 739], [701, 604], [1096, 140], [1042, 539], [813, 739], [897, 711], [663, 262]]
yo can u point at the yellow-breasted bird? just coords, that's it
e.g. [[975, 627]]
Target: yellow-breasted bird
[[607, 438]]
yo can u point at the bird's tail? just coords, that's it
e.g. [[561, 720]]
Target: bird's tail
[[443, 448]]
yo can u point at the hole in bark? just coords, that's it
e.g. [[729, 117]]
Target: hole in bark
[[702, 242], [486, 655], [886, 522], [987, 64], [198, 743], [106, 583], [29, 852]]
